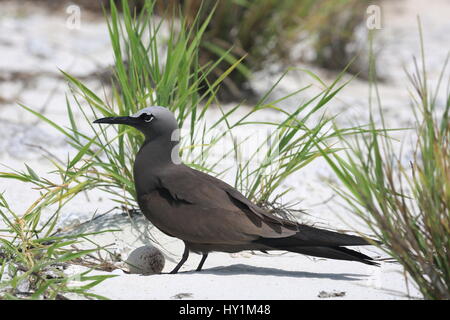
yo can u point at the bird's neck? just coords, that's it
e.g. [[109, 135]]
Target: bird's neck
[[153, 158], [158, 152]]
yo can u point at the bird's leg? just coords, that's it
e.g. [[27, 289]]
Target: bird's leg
[[183, 260], [199, 268]]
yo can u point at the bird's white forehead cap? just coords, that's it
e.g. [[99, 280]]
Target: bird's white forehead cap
[[149, 110]]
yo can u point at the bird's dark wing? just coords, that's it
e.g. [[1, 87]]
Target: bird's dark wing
[[304, 235], [241, 201], [211, 211]]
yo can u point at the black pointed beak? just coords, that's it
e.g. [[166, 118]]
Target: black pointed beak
[[116, 120]]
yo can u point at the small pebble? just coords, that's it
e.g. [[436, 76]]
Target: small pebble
[[334, 294], [182, 295], [145, 260]]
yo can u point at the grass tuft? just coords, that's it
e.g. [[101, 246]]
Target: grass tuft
[[406, 203]]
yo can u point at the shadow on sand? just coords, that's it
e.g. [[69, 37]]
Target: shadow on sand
[[240, 269]]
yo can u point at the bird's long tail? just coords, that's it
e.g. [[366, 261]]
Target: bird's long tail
[[320, 243]]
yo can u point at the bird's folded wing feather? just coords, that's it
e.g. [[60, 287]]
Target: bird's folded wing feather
[[213, 207], [240, 200]]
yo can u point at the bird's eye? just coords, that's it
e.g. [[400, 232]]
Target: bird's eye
[[147, 117]]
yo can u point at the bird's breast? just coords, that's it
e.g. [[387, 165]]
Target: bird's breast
[[159, 212]]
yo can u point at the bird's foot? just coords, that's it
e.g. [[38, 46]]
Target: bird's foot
[[174, 271]]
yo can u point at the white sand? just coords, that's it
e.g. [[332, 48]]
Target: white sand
[[35, 41]]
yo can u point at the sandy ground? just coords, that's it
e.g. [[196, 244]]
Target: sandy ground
[[34, 43]]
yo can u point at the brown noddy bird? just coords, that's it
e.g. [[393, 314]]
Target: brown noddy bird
[[209, 214]]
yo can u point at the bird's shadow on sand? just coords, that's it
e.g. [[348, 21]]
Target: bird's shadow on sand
[[240, 269]]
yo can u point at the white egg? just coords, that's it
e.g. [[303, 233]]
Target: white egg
[[145, 260]]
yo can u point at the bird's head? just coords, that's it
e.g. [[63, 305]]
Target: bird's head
[[151, 121]]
